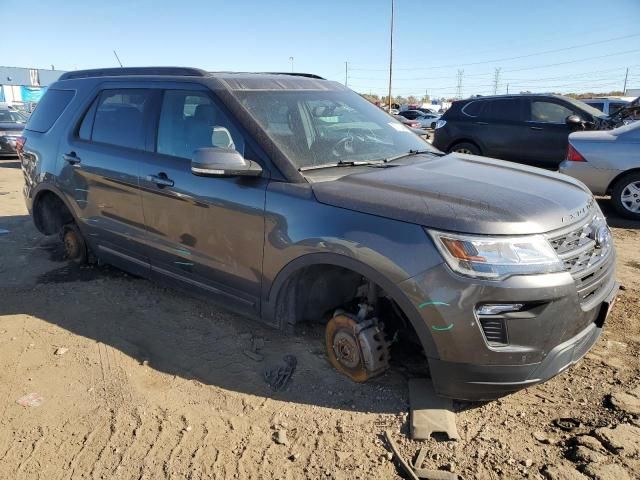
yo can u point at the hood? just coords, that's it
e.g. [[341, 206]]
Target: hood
[[463, 193]]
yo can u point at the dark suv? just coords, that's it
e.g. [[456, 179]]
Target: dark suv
[[295, 200], [531, 129]]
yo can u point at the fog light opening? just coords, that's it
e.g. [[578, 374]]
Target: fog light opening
[[498, 308]]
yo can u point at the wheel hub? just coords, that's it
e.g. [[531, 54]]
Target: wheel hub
[[630, 197], [346, 349], [71, 245]]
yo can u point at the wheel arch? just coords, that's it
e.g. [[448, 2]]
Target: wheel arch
[[41, 218], [615, 180], [282, 283]]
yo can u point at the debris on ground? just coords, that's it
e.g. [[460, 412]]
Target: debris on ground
[[429, 473], [257, 344], [61, 351], [278, 377], [401, 461], [280, 437], [567, 424], [31, 400], [430, 413]]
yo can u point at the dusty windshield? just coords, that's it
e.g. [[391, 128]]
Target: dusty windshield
[[327, 127]]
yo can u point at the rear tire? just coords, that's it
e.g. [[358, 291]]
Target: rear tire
[[75, 248], [626, 196], [465, 147]]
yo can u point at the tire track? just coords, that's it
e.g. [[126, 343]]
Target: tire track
[[35, 447]]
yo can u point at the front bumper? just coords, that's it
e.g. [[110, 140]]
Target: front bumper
[[552, 336]]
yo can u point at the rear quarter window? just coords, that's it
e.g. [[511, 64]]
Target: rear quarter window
[[473, 109], [49, 110]]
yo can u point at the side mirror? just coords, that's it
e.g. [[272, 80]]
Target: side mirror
[[222, 162], [573, 120]]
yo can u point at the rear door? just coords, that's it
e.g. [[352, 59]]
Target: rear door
[[500, 128], [204, 232], [101, 160], [546, 143]]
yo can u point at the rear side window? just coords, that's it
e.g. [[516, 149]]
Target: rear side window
[[506, 109], [49, 109], [614, 107], [473, 109], [119, 118], [598, 105]]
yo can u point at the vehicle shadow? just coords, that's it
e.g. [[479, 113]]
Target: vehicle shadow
[[613, 218], [174, 333], [9, 163]]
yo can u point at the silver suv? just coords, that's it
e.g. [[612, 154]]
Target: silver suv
[[295, 200]]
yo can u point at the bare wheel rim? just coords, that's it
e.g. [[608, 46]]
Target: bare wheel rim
[[71, 245], [630, 197]]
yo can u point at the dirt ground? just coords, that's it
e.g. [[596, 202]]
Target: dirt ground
[[132, 381]]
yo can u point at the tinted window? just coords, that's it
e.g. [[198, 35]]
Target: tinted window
[[614, 107], [598, 105], [507, 109], [119, 118], [12, 116], [49, 109], [189, 121], [549, 112], [473, 109]]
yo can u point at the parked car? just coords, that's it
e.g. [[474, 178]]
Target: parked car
[[608, 162], [605, 104], [293, 199], [11, 126], [531, 129], [426, 120]]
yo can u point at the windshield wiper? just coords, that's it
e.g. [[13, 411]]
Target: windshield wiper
[[410, 153], [341, 163]]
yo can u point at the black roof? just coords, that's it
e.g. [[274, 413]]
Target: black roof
[[168, 71]]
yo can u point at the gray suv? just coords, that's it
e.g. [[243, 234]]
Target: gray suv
[[293, 199]]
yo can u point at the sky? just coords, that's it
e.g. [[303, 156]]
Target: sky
[[563, 45]]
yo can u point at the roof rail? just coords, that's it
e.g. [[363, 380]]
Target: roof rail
[[298, 74], [117, 72]]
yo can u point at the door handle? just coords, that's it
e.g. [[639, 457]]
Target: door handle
[[72, 158], [536, 128], [160, 180], [482, 123]]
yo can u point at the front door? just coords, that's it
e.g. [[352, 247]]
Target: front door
[[548, 137], [100, 173], [205, 232]]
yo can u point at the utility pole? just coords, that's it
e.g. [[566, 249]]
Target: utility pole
[[459, 87], [496, 81], [346, 73], [626, 76], [391, 54], [507, 89]]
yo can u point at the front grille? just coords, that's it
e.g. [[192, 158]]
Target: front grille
[[584, 257], [495, 331]]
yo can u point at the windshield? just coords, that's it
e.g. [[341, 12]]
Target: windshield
[[326, 127], [594, 112], [12, 117]]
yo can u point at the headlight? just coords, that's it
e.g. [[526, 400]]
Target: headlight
[[440, 123], [496, 257]]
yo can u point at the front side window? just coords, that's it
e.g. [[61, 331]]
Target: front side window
[[549, 112], [191, 120], [119, 118], [319, 127]]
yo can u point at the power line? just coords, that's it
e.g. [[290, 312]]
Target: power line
[[506, 59], [496, 81]]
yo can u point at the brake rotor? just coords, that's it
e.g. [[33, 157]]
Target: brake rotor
[[357, 350], [74, 247]]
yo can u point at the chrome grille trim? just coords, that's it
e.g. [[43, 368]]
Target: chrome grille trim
[[589, 264]]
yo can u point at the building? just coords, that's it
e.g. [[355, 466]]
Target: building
[[25, 85]]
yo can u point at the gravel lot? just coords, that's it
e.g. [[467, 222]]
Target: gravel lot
[[131, 380]]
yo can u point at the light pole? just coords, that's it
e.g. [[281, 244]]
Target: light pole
[[291, 60]]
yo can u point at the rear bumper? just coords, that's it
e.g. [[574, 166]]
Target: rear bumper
[[596, 179], [487, 382]]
